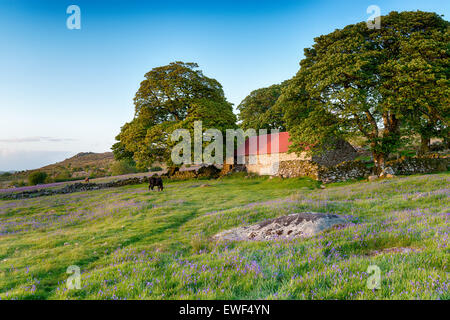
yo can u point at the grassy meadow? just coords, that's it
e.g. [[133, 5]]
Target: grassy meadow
[[134, 244]]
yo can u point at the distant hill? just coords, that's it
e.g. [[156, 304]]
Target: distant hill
[[80, 166], [82, 161]]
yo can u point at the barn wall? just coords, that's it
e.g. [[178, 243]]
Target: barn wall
[[268, 164]]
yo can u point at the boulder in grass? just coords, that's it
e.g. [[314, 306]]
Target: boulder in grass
[[297, 225], [387, 172]]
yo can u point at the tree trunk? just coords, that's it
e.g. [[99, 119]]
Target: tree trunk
[[424, 145], [379, 159]]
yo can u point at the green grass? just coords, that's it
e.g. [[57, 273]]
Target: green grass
[[135, 244]]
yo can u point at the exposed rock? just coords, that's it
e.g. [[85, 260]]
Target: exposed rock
[[298, 225], [401, 250], [210, 172], [372, 178], [228, 169], [172, 170], [184, 175], [388, 170]]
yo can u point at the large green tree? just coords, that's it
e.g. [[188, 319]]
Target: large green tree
[[171, 97], [259, 110], [421, 76], [374, 82]]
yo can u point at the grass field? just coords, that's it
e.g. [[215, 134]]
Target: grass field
[[133, 244]]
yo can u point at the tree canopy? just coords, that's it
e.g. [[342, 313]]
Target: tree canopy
[[171, 97], [259, 111], [385, 84]]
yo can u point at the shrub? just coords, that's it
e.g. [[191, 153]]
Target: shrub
[[5, 176], [18, 184], [200, 243], [37, 177], [124, 166], [64, 175]]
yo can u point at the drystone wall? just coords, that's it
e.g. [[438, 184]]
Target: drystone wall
[[70, 188], [203, 172], [209, 172], [341, 172], [406, 166], [344, 171], [356, 169], [298, 168]]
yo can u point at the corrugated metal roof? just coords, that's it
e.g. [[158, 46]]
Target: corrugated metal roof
[[265, 144]]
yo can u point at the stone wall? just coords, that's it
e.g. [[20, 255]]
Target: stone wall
[[406, 166], [344, 171], [184, 175], [208, 172], [287, 169], [308, 168], [70, 188], [298, 168], [348, 170]]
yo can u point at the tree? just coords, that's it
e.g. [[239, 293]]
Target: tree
[[37, 177], [259, 110], [119, 151], [171, 97], [123, 166], [358, 81], [421, 76]]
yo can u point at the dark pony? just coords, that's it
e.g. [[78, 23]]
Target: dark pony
[[155, 182]]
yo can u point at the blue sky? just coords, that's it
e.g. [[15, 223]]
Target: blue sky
[[67, 91]]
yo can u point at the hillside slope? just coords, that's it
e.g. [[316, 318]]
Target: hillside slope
[[82, 162], [134, 244], [77, 167]]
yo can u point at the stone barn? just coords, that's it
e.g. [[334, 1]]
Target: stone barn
[[268, 155]]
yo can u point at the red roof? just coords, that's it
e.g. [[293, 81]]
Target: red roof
[[264, 144]]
